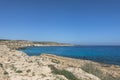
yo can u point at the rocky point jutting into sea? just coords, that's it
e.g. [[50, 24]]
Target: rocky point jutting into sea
[[17, 65]]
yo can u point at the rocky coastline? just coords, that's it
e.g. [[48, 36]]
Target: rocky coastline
[[17, 65]]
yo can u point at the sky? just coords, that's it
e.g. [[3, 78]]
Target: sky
[[70, 21]]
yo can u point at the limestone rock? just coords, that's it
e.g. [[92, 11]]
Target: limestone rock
[[16, 65]]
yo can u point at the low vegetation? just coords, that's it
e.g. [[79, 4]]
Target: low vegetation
[[5, 73], [18, 71], [55, 61], [1, 65], [13, 67], [90, 68], [28, 71], [65, 73]]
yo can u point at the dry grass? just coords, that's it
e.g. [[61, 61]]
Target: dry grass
[[90, 68]]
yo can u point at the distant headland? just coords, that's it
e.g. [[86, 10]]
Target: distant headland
[[17, 44]]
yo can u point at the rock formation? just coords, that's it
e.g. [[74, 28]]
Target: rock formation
[[16, 65]]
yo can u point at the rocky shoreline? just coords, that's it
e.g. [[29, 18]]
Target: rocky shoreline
[[16, 65]]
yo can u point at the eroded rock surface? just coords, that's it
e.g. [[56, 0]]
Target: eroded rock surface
[[16, 65]]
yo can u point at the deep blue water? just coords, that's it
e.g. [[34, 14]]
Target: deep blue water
[[103, 54]]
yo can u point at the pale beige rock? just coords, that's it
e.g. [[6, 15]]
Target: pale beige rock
[[16, 65], [82, 74]]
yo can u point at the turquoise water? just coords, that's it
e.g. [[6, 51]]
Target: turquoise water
[[103, 54]]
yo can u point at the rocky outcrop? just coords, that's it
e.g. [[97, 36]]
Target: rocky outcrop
[[80, 67], [16, 65]]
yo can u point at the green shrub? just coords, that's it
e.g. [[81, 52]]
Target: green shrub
[[67, 74], [1, 65], [18, 71], [28, 71], [55, 61], [5, 73]]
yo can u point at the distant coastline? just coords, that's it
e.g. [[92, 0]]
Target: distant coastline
[[18, 44]]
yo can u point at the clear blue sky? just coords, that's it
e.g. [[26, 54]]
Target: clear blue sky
[[72, 21]]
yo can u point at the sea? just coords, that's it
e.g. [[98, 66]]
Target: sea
[[101, 54]]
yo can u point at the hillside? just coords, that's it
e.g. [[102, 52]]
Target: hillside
[[16, 44]]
